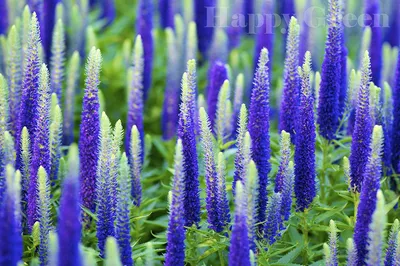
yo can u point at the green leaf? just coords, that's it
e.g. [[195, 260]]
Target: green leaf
[[389, 206], [291, 256], [318, 227], [160, 224], [210, 251], [90, 213], [328, 214], [227, 145], [318, 263], [295, 236], [346, 195], [160, 147], [137, 218]]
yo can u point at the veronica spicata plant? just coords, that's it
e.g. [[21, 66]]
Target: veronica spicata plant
[[328, 108], [259, 130], [176, 232], [371, 185], [89, 142], [41, 156], [69, 225], [186, 132], [239, 251], [304, 155]]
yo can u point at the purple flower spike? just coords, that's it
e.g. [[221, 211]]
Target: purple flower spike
[[287, 10], [234, 32], [219, 49], [47, 23], [115, 155], [343, 76], [135, 100], [243, 154], [89, 142], [392, 244], [396, 120], [204, 34], [36, 6], [387, 113], [44, 212], [69, 227], [186, 132], [167, 9], [10, 227], [25, 171], [104, 186], [172, 89], [222, 199], [259, 130], [351, 253], [331, 249], [287, 192], [284, 161], [304, 156], [4, 17], [304, 43], [251, 189], [57, 60], [285, 176], [4, 107], [215, 200], [248, 10], [239, 250], [360, 148], [328, 107], [73, 74], [354, 85], [176, 231], [210, 171], [237, 103], [122, 228], [377, 234], [272, 225], [14, 74], [109, 11], [79, 22], [370, 187], [45, 11], [372, 8], [136, 166], [217, 76], [393, 33], [30, 83], [191, 71], [41, 143], [55, 137], [144, 29], [291, 80], [265, 34]]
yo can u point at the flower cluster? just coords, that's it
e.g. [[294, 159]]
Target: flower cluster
[[222, 168]]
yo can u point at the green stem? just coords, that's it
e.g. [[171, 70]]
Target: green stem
[[344, 119], [305, 236], [137, 228], [356, 198], [323, 172], [192, 248], [221, 258]]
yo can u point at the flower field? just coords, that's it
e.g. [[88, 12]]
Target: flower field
[[199, 132]]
